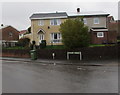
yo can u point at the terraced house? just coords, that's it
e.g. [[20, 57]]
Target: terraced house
[[45, 26]]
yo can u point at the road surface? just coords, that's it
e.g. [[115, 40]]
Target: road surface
[[28, 77]]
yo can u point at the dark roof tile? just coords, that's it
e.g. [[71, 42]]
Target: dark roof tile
[[48, 15]]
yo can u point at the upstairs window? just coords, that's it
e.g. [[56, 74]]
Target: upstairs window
[[85, 20], [41, 22], [55, 22], [96, 20]]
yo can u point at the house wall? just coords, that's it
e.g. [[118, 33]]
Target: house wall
[[53, 29], [21, 36], [7, 37], [28, 36], [97, 40], [102, 21], [114, 28]]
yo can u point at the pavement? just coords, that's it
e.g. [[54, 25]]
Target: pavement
[[61, 62]]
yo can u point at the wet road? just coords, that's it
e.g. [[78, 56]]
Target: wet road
[[26, 77]]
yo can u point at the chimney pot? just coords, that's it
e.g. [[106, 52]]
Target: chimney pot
[[78, 10], [1, 24]]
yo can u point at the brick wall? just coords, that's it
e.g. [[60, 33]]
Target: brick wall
[[96, 53], [16, 53]]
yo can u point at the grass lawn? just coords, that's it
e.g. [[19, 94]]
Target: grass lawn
[[118, 40], [55, 47], [61, 46], [97, 45], [101, 45]]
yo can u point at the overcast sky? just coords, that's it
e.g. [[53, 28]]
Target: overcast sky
[[17, 14]]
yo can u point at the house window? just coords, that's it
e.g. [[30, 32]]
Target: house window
[[96, 20], [100, 34], [56, 37], [85, 20], [41, 36], [41, 22], [55, 22], [10, 34]]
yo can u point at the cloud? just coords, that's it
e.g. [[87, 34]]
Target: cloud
[[18, 13]]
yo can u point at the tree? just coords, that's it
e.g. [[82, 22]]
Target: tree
[[43, 44], [74, 33], [24, 42], [29, 29]]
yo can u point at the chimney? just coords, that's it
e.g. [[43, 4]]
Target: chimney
[[78, 10], [1, 24]]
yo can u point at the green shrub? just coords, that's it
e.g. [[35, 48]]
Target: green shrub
[[74, 33], [43, 44], [24, 42]]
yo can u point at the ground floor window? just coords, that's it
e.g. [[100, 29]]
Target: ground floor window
[[41, 37], [8, 44], [100, 34], [56, 37]]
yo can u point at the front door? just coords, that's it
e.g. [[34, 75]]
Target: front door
[[41, 37]]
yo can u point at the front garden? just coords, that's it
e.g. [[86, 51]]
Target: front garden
[[57, 46]]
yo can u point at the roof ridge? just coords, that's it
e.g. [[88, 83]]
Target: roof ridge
[[49, 15], [1, 27], [49, 12]]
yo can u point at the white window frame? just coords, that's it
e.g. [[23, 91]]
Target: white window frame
[[41, 22], [100, 36], [85, 20], [41, 37], [96, 21], [59, 37], [52, 22]]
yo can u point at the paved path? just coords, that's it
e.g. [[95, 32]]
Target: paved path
[[64, 62]]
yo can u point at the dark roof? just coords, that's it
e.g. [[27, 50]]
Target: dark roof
[[7, 26], [49, 15], [99, 28], [1, 27]]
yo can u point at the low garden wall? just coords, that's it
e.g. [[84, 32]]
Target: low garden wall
[[15, 53], [93, 53]]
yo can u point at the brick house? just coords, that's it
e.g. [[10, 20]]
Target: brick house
[[10, 36], [45, 26], [113, 29], [99, 35], [114, 26], [22, 33]]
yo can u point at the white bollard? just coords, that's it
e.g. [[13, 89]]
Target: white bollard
[[53, 55]]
